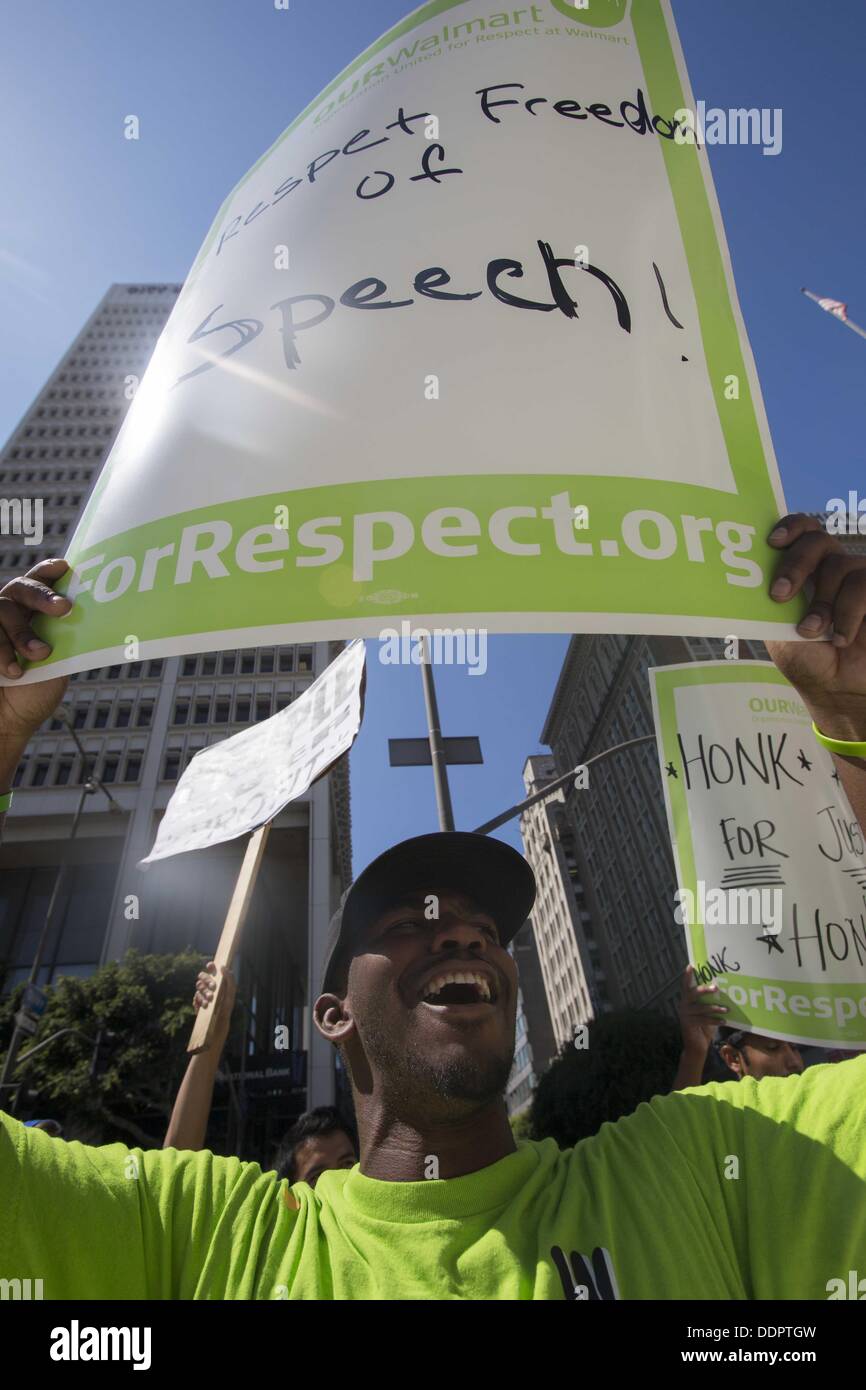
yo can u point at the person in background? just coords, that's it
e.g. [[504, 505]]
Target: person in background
[[613, 1064], [187, 1127], [742, 1052], [751, 1054], [320, 1140]]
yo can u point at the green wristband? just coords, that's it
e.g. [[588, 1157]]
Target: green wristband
[[5, 802], [838, 745]]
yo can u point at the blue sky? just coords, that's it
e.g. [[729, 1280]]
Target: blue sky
[[215, 81]]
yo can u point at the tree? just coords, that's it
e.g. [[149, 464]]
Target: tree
[[142, 1007], [630, 1057]]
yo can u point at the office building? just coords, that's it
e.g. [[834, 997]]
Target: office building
[[136, 726]]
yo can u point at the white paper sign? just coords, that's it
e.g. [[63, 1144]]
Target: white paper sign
[[769, 853], [462, 347], [237, 785]]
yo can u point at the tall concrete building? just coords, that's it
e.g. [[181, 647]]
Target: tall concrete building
[[534, 1046], [574, 980], [617, 847], [139, 725]]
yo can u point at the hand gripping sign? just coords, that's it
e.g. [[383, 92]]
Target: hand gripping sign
[[770, 857], [463, 346]]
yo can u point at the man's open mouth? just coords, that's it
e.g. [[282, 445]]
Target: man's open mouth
[[459, 987]]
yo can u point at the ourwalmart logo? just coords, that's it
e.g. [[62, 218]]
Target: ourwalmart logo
[[601, 14]]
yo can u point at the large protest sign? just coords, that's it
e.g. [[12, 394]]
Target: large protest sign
[[243, 782], [769, 853], [464, 344]]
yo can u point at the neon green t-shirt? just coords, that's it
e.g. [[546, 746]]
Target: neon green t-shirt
[[746, 1191]]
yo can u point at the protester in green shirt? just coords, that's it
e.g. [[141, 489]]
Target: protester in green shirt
[[725, 1192]]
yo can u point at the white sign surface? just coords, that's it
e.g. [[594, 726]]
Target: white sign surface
[[770, 856], [237, 785], [463, 346]]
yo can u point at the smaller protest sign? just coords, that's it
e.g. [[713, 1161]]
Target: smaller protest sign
[[770, 857], [243, 782]]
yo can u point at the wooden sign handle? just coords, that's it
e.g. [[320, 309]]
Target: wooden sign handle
[[201, 1037]]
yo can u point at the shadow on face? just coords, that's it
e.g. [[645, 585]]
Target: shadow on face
[[430, 1004]]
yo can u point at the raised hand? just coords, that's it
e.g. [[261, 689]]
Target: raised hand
[[24, 708], [830, 675]]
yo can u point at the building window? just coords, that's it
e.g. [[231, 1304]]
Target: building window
[[154, 669], [144, 716], [40, 772], [263, 707], [242, 709], [100, 718], [228, 663], [109, 769], [123, 716], [221, 712], [171, 768], [134, 670], [248, 663], [190, 666], [266, 662], [202, 711], [133, 768], [287, 660], [305, 658], [181, 712], [64, 772]]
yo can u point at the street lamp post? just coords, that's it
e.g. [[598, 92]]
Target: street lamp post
[[434, 749], [437, 751], [553, 787]]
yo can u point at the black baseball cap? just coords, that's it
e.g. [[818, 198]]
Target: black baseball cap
[[489, 871]]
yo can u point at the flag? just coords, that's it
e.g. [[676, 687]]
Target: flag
[[833, 306], [838, 310]]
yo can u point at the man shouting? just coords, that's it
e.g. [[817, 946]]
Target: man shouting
[[754, 1191]]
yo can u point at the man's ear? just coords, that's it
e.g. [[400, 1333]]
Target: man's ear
[[730, 1058], [333, 1018]]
